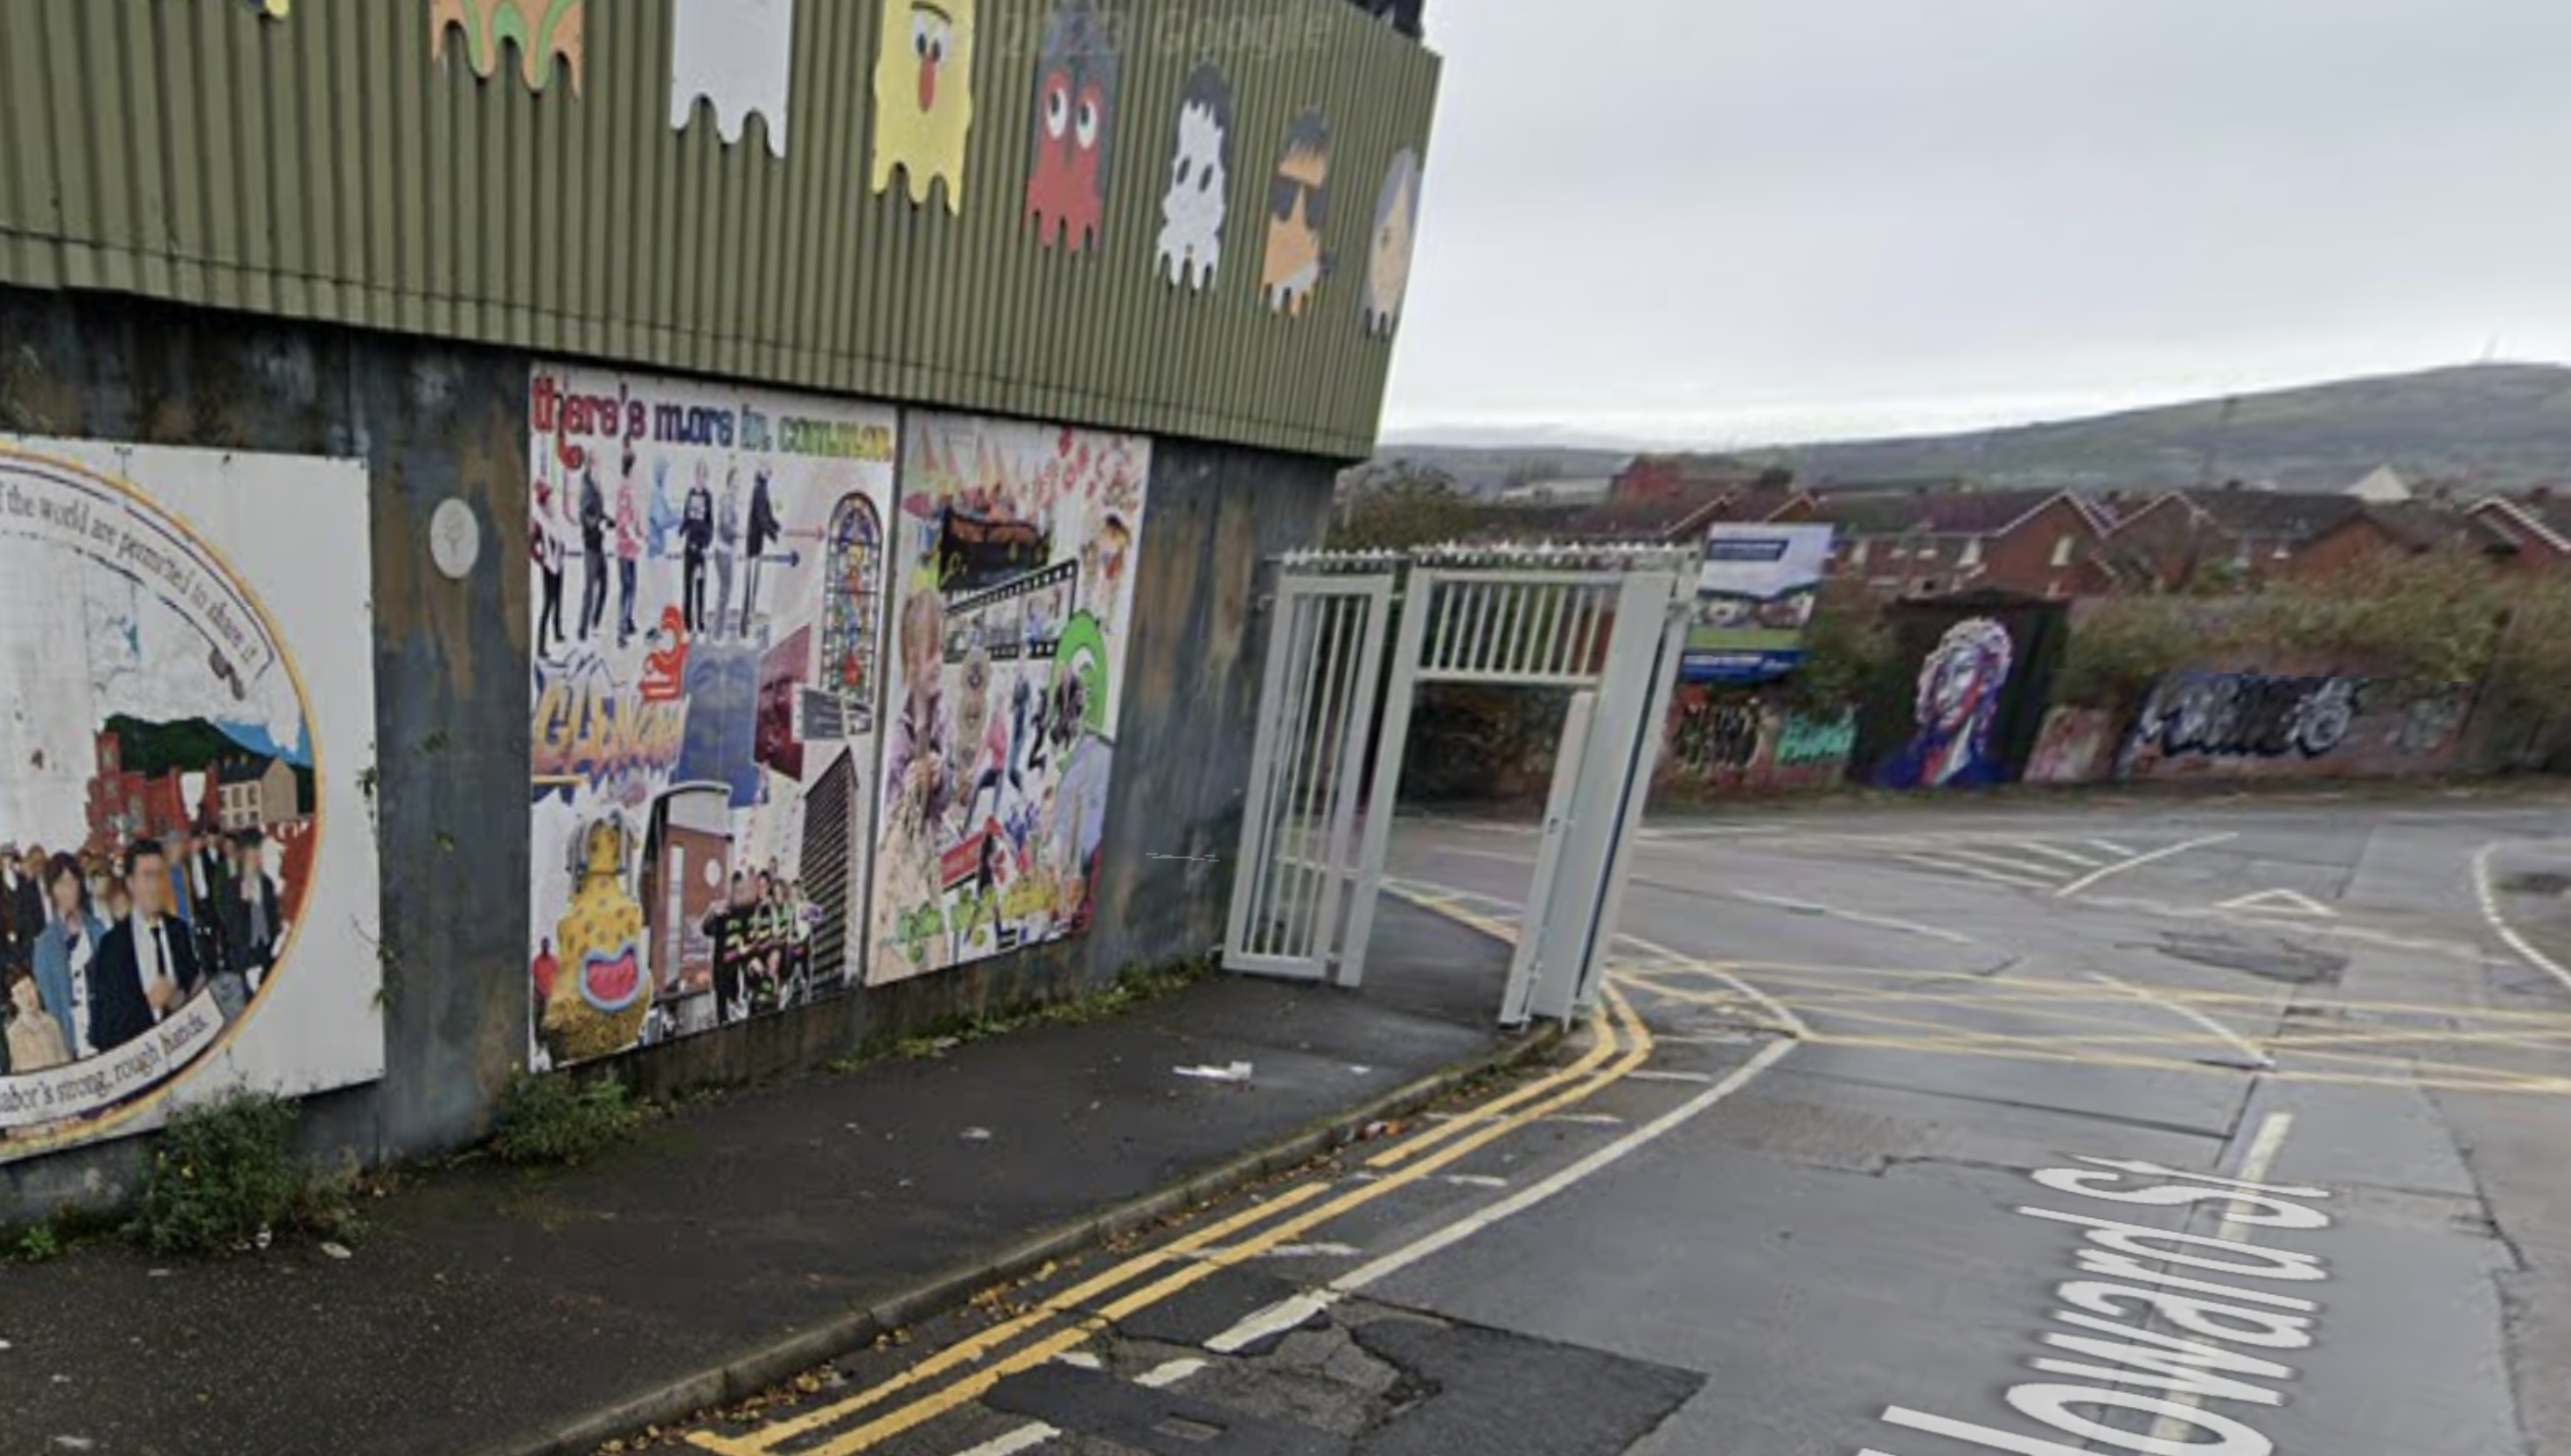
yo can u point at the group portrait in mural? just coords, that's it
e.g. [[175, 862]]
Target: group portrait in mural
[[159, 822]]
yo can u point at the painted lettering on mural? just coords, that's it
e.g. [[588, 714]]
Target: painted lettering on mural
[[1016, 547], [704, 704], [2435, 721], [2239, 714], [1718, 735], [1804, 742], [161, 814]]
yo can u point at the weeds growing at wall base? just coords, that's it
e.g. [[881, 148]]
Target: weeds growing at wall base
[[561, 1121], [226, 1175]]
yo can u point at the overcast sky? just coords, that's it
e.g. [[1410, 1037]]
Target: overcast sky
[[1733, 221]]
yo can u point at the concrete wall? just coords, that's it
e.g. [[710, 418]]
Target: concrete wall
[[433, 421], [2262, 725]]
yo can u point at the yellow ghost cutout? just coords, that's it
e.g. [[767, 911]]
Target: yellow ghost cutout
[[924, 96]]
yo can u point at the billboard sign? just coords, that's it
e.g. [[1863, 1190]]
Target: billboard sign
[[1755, 597]]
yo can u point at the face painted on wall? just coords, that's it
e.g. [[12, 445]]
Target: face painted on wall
[[1396, 228], [1299, 210], [1198, 200], [1075, 128], [1959, 693], [924, 97]]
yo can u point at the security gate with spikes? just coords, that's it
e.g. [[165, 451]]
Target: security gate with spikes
[[1607, 624]]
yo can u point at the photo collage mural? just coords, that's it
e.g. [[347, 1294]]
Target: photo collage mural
[[1013, 555], [188, 867], [709, 579], [773, 688]]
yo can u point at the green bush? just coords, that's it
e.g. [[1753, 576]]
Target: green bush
[[225, 1175], [561, 1121]]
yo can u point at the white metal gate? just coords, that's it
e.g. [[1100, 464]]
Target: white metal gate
[[1608, 624]]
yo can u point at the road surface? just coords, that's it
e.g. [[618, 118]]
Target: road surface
[[1920, 1132]]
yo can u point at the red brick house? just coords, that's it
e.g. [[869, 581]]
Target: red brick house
[[2043, 543], [2537, 523], [124, 806], [2398, 530], [2237, 533]]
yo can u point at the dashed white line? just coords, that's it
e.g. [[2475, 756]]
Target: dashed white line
[[2138, 861], [2169, 1432], [1290, 1313], [2490, 912], [1162, 1377], [1024, 1438]]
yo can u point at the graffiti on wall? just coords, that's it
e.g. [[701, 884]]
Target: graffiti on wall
[[2278, 725], [2074, 748], [1199, 198], [186, 701], [710, 576], [1743, 745], [544, 31], [924, 97], [1015, 551], [739, 57], [1957, 703]]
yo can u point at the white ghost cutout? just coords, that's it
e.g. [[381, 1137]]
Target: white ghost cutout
[[738, 55], [1194, 209]]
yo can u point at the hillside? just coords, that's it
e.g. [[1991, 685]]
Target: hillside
[[2489, 426]]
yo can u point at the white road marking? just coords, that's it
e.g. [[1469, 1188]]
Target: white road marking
[[2021, 881], [2002, 861], [2112, 847], [1700, 1078], [1080, 1360], [2255, 1167], [1586, 1168], [1290, 1313], [1024, 1438], [2056, 851], [1165, 1376], [2251, 1055], [1475, 1180], [1588, 1120], [2498, 923], [2138, 861], [2281, 902], [1881, 922]]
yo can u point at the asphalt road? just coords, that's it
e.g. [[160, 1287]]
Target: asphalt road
[[1905, 1132]]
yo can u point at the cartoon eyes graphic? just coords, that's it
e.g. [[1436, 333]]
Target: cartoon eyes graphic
[[1057, 110], [928, 40], [1088, 121], [1184, 168]]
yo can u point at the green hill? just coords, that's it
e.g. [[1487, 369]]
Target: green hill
[[2484, 426]]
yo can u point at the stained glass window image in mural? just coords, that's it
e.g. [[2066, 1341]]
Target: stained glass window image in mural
[[851, 620]]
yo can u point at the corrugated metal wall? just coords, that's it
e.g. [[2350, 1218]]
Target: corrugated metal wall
[[323, 165]]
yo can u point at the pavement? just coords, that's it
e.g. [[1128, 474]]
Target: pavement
[[500, 1314], [1905, 1130]]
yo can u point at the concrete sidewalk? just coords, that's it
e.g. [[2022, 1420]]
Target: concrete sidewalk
[[499, 1313]]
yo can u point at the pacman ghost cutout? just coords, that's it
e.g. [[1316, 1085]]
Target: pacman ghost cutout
[[1298, 210], [546, 32], [1074, 128], [737, 55], [1198, 200], [1388, 248], [924, 97]]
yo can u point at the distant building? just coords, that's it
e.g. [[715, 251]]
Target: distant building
[[1930, 542], [2537, 523], [125, 806], [1558, 492], [2383, 487], [2233, 533], [2396, 531]]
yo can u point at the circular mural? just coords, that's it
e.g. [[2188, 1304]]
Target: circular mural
[[159, 813]]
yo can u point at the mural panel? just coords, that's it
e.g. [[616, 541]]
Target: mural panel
[[2282, 725], [710, 580], [1015, 549], [186, 704], [1074, 130], [545, 32], [1198, 201], [739, 56], [1742, 745], [1389, 250], [1970, 711], [1298, 218], [1755, 597], [2075, 746]]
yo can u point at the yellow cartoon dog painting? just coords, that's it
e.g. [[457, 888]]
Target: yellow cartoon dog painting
[[924, 97]]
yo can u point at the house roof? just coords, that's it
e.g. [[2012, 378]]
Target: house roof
[[2294, 516], [243, 771], [1942, 513], [2546, 514], [2423, 528], [1674, 519]]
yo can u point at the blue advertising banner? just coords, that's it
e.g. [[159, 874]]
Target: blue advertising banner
[[1755, 597]]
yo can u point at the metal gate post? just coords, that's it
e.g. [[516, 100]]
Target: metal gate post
[[1646, 761], [1559, 807], [1255, 864], [1386, 787], [1573, 939]]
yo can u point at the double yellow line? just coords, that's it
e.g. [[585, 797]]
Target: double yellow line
[[1623, 1044]]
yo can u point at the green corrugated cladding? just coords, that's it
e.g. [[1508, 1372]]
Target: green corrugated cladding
[[322, 166]]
